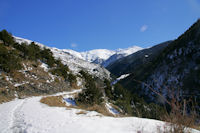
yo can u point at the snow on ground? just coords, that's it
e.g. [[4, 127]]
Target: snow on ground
[[97, 54], [44, 66], [30, 116], [76, 64], [119, 78], [129, 50], [111, 109], [20, 84]]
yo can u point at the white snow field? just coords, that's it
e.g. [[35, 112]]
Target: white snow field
[[30, 116]]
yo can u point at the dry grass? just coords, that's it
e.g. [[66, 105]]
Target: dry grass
[[98, 108], [4, 99], [4, 96], [55, 101], [3, 76], [18, 76], [74, 85], [196, 127], [178, 123], [81, 113], [3, 91]]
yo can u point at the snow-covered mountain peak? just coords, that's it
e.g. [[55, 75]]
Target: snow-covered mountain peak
[[128, 51], [104, 54], [97, 53], [72, 52], [120, 53], [98, 56]]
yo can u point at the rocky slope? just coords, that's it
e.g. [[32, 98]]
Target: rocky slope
[[30, 80], [74, 61], [28, 69]]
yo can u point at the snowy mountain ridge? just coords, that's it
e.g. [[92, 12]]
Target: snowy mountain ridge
[[92, 55], [73, 60], [128, 51], [100, 56], [88, 60], [120, 53]]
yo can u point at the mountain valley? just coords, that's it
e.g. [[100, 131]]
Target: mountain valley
[[113, 87]]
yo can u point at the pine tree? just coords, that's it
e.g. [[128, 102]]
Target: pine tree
[[6, 38]]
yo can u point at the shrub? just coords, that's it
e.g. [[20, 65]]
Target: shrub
[[47, 57], [72, 78], [33, 51], [6, 37], [108, 89], [92, 94], [180, 114], [61, 70], [9, 59]]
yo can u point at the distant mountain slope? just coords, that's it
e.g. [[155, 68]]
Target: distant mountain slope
[[120, 53], [176, 67], [92, 55], [103, 57], [133, 61]]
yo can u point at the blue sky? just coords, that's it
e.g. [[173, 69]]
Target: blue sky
[[91, 24]]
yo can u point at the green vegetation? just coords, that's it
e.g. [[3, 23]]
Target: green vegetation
[[47, 57], [180, 58], [92, 95], [60, 70], [130, 103], [6, 38], [34, 52], [8, 59], [108, 89], [12, 53], [122, 98]]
